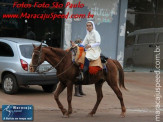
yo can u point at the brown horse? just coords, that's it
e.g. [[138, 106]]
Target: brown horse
[[67, 72]]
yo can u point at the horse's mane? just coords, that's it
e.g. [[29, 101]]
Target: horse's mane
[[58, 51]]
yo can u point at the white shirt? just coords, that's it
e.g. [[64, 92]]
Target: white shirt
[[92, 38]]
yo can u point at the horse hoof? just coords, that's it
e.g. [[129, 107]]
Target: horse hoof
[[122, 115], [65, 116], [90, 115], [64, 111]]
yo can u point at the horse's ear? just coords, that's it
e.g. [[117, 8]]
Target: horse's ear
[[34, 46], [40, 45]]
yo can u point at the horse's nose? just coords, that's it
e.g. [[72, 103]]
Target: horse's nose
[[31, 69]]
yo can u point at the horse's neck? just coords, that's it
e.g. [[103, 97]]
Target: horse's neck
[[57, 56], [59, 52]]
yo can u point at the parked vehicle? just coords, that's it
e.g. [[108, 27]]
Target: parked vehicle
[[15, 56], [140, 46]]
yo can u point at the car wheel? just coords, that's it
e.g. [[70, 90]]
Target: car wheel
[[49, 88], [9, 84]]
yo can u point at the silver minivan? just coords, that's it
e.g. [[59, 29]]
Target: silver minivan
[[15, 57]]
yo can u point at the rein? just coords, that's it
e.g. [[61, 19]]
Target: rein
[[37, 70], [36, 65]]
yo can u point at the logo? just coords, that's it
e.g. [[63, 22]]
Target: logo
[[17, 112]]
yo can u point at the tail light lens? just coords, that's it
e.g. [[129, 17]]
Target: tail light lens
[[24, 64]]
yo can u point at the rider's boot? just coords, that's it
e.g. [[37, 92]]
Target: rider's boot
[[80, 77]]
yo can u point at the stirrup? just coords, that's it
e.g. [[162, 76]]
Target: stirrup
[[80, 77]]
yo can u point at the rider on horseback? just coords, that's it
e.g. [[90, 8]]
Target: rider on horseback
[[91, 43]]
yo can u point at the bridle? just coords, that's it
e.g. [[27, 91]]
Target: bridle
[[39, 58], [39, 61]]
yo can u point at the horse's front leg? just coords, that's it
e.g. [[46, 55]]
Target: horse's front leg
[[60, 88], [69, 98], [98, 87]]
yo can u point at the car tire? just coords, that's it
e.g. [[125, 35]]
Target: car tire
[[49, 88], [9, 84]]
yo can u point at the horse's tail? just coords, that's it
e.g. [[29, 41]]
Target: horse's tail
[[121, 74]]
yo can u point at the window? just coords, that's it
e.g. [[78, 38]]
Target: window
[[160, 38], [5, 50], [141, 5], [27, 50], [37, 29], [146, 38]]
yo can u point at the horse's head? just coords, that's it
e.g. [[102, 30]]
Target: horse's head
[[37, 58]]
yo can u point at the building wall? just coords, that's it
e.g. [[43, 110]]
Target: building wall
[[109, 18], [121, 31]]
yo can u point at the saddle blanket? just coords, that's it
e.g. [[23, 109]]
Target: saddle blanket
[[94, 65]]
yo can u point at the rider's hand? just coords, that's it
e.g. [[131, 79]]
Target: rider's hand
[[88, 46], [73, 44]]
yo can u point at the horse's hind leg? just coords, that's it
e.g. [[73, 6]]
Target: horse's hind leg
[[59, 90], [98, 87], [117, 91]]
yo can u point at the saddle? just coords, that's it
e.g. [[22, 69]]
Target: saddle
[[94, 65], [103, 58]]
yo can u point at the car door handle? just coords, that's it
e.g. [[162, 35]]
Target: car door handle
[[151, 45]]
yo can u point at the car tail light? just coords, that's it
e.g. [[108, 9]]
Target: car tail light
[[24, 64]]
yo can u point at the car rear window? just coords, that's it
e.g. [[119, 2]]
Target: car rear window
[[27, 50], [6, 50]]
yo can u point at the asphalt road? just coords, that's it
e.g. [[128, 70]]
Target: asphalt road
[[139, 101]]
